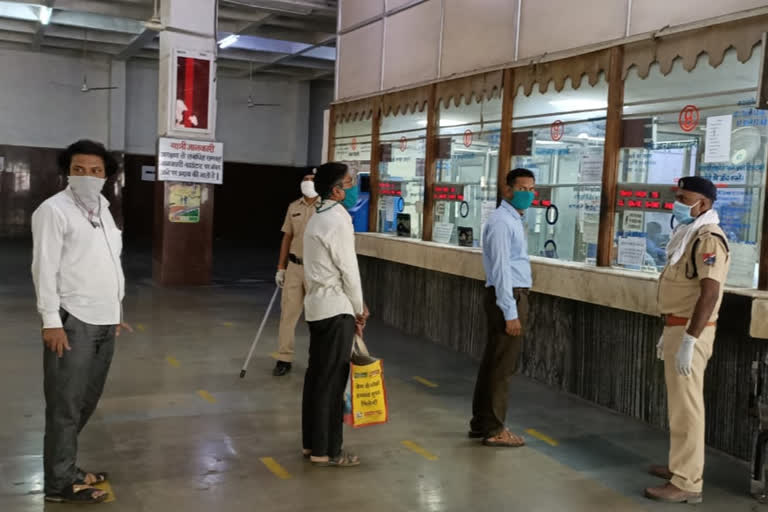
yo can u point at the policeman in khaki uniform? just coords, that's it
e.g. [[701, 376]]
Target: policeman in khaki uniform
[[290, 271], [690, 292]]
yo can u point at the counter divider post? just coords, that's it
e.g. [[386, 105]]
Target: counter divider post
[[373, 204], [613, 138], [505, 144], [430, 163]]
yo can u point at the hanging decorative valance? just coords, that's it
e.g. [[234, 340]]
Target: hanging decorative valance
[[408, 101], [557, 71], [358, 110], [715, 40], [482, 87]]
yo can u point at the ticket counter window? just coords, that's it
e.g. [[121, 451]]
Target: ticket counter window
[[466, 171], [560, 137], [352, 145], [702, 123], [401, 174]]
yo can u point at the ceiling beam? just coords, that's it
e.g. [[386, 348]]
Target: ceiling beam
[[138, 44], [40, 30], [137, 10]]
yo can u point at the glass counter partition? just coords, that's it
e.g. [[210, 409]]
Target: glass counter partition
[[466, 171], [702, 123], [401, 174], [560, 137]]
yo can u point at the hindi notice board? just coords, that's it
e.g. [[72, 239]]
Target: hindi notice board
[[717, 146], [191, 161], [632, 251]]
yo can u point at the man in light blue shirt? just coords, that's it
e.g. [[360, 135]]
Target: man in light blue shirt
[[508, 273]]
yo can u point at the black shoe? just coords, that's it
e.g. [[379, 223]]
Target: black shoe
[[473, 434], [281, 368]]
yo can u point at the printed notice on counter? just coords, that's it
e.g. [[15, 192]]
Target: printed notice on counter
[[190, 161], [443, 232], [632, 251], [743, 262], [487, 208], [388, 207], [591, 167], [717, 147], [633, 221]]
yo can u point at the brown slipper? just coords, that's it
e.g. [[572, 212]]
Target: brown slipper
[[345, 460], [504, 440]]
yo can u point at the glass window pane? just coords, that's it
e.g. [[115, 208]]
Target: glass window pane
[[667, 140], [560, 137], [467, 169], [401, 174]]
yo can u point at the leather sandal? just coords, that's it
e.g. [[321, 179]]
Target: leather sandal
[[82, 496], [505, 439]]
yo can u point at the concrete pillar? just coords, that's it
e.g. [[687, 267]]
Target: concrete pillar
[[182, 252]]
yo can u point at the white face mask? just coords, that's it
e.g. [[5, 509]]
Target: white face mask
[[308, 189], [87, 188]]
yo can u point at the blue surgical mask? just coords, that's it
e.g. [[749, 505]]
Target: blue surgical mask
[[682, 212], [522, 199], [350, 197]]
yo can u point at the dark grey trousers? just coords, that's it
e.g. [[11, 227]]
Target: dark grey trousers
[[330, 352], [73, 385]]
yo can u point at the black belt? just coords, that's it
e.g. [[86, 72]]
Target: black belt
[[295, 259]]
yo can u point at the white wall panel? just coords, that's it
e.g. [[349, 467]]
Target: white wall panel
[[477, 37], [41, 103], [412, 42], [353, 12], [394, 4], [651, 15], [548, 26], [359, 57]]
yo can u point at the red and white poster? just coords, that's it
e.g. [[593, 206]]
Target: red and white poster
[[193, 92]]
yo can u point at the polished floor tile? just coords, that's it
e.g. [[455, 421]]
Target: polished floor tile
[[179, 430]]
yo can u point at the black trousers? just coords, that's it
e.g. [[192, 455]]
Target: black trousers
[[330, 350], [73, 385], [489, 406]]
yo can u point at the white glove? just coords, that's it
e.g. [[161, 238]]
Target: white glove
[[660, 348], [684, 357], [280, 278]]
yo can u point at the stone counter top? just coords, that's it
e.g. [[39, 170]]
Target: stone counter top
[[617, 288]]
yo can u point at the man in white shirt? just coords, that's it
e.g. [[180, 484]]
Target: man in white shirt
[[335, 311], [80, 285]]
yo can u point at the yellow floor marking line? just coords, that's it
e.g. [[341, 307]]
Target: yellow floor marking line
[[228, 324], [541, 437], [415, 448], [276, 469], [141, 327], [173, 361], [206, 396], [422, 380], [104, 486], [275, 355]]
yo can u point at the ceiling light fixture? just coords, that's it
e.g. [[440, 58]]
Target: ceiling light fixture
[[45, 14], [228, 41]]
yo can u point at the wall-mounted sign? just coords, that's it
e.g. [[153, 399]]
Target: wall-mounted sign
[[557, 130], [190, 160], [468, 138], [192, 93], [688, 119], [184, 203], [148, 173]]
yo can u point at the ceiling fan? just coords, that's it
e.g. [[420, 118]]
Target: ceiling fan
[[251, 103], [84, 87]]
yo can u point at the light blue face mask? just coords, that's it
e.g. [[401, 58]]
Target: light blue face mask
[[522, 199], [682, 212]]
